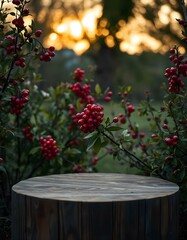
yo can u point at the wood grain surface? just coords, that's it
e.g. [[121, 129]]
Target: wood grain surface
[[95, 187]]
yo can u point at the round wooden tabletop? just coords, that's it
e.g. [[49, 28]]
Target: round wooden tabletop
[[95, 187]]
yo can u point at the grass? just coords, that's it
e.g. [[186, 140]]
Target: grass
[[115, 109], [110, 165]]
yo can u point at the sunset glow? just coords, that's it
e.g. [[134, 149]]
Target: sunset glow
[[133, 35], [78, 29]]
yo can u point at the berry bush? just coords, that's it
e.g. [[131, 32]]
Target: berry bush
[[38, 133], [65, 130]]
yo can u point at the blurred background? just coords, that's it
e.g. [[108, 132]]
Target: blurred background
[[117, 42]]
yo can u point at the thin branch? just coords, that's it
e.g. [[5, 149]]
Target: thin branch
[[184, 10]]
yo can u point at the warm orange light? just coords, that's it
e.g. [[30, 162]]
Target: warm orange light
[[110, 41], [81, 46], [78, 30], [164, 14], [53, 36], [62, 28], [103, 23], [148, 2], [75, 29]]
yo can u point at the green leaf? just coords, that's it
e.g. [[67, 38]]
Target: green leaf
[[129, 88], [114, 128], [125, 133], [103, 144], [182, 174], [97, 145], [90, 135], [107, 121], [2, 169], [98, 89], [34, 150], [92, 142], [74, 151]]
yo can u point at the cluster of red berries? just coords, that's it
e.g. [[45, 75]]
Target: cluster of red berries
[[49, 147], [90, 118], [10, 49], [20, 62], [18, 22], [108, 96], [74, 142], [77, 168], [172, 141], [18, 102], [27, 132], [71, 110], [173, 74], [136, 135], [47, 54], [121, 118], [10, 44], [78, 75], [130, 109], [82, 91], [15, 82]]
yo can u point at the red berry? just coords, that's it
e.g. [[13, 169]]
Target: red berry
[[95, 160], [107, 99], [131, 108], [16, 2], [168, 141], [141, 135], [165, 126], [109, 94], [51, 49], [26, 11], [115, 119], [175, 138], [38, 33], [144, 146], [1, 160], [172, 51], [74, 168], [154, 135], [122, 120], [134, 135]]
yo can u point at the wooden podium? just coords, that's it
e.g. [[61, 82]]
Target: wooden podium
[[94, 206]]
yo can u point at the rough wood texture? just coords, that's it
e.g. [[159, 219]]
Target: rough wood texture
[[95, 207]]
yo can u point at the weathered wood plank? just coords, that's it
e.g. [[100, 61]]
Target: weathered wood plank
[[70, 220], [152, 216], [18, 211]]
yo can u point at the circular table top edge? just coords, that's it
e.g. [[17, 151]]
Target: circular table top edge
[[95, 187]]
